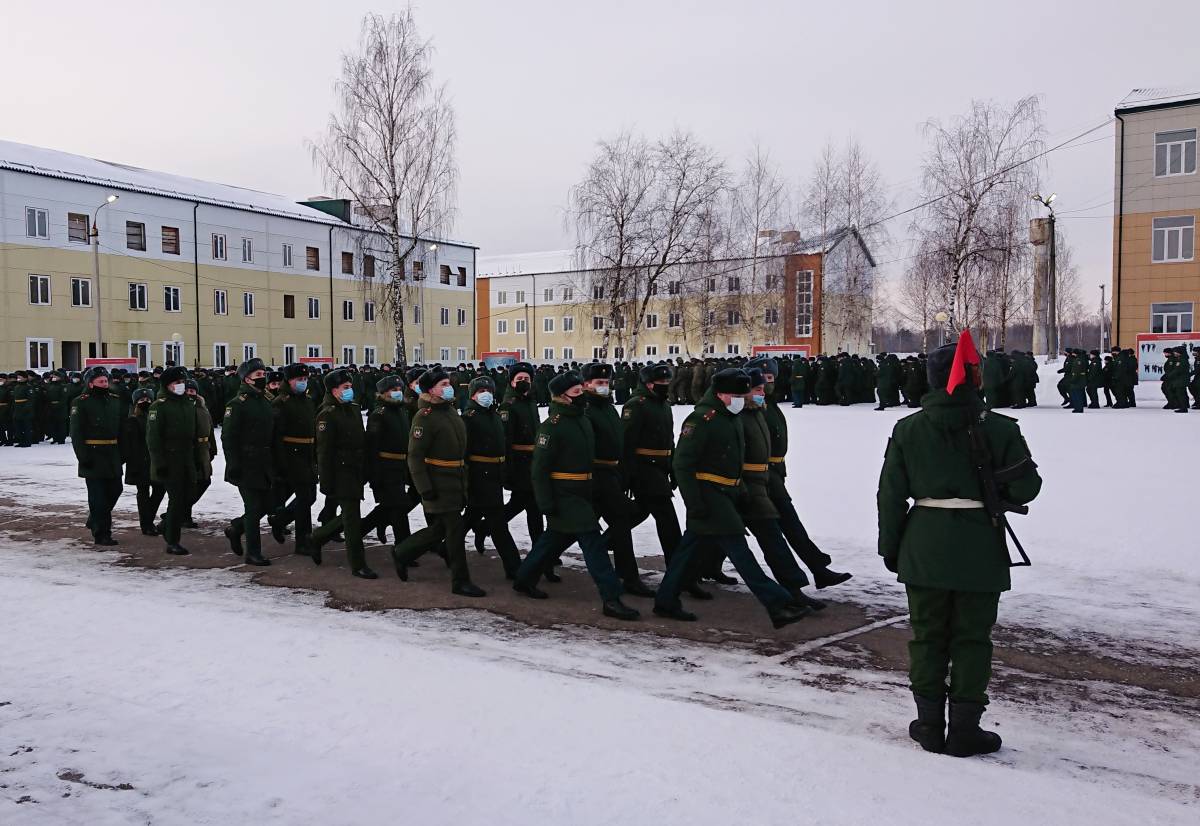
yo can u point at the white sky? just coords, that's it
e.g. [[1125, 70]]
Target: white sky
[[229, 90]]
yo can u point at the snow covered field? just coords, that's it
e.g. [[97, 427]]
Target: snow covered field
[[216, 701]]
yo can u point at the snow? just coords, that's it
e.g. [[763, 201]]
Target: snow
[[222, 702]]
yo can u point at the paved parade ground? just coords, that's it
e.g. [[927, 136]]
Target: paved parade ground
[[139, 688]]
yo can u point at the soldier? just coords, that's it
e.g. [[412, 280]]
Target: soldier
[[23, 401], [486, 455], [950, 555], [206, 448], [58, 409], [95, 437], [801, 371], [341, 468], [274, 382], [293, 456], [5, 410], [1194, 383], [562, 476], [1095, 379], [708, 468], [171, 440], [246, 439], [388, 427], [520, 417], [437, 448], [136, 457]]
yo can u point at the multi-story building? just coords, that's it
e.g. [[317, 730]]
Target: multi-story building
[[1156, 276], [205, 274], [808, 296]]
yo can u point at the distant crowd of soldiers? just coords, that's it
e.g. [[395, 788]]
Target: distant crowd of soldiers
[[453, 442]]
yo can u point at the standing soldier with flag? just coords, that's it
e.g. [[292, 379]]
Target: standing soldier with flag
[[947, 548]]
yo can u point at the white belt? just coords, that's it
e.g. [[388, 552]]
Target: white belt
[[963, 504]]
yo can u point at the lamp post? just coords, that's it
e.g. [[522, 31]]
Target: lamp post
[[1103, 306], [1052, 283], [96, 274]]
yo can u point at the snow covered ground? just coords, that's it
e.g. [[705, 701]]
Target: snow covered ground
[[217, 701]]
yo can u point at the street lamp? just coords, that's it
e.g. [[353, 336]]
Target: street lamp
[[96, 273], [1052, 282]]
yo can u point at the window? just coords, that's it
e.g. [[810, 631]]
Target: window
[[81, 292], [249, 351], [218, 247], [368, 355], [347, 310], [619, 322], [289, 306], [1175, 153], [711, 317], [368, 266], [347, 354], [547, 325], [135, 236], [37, 223], [772, 280], [173, 352], [462, 353], [804, 303], [672, 349], [548, 295], [38, 353], [651, 350], [652, 289], [287, 259], [520, 327], [771, 316], [596, 353], [502, 297], [347, 263], [568, 294], [734, 283], [171, 299], [77, 228], [651, 321], [710, 285], [568, 324], [568, 353], [247, 304], [444, 354], [137, 296], [1174, 239], [418, 354], [520, 296], [501, 327], [548, 354], [618, 352], [220, 355], [673, 288], [312, 258], [444, 316], [1174, 317], [732, 317], [369, 312], [314, 307], [313, 350], [247, 250], [461, 316], [417, 314], [710, 349], [170, 242], [418, 270], [140, 350], [39, 289], [675, 319], [597, 292], [597, 322], [289, 354], [733, 349], [444, 274], [220, 303], [462, 276]]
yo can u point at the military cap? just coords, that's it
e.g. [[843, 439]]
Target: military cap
[[731, 380], [190, 384], [937, 368], [249, 366], [520, 367], [172, 375], [295, 371], [142, 394], [274, 375], [596, 370], [763, 363], [89, 375], [656, 372], [757, 379], [563, 382], [412, 374], [389, 383], [337, 377], [144, 374], [430, 378], [481, 383]]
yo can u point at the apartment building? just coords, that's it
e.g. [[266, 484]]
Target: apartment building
[[205, 274]]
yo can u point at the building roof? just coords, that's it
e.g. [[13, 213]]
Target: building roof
[[1159, 97], [521, 263]]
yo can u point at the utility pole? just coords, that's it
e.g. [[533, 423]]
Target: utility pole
[[1042, 234], [96, 294], [1103, 306]]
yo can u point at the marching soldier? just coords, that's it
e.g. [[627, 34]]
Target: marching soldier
[[294, 459], [57, 408], [5, 409], [246, 438], [388, 427], [95, 437], [171, 440], [563, 463], [437, 449], [136, 456], [486, 456], [23, 401], [948, 551], [206, 447], [520, 416]]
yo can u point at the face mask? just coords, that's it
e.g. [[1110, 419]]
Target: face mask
[[300, 386], [260, 383], [395, 395], [601, 391], [758, 399], [661, 390], [522, 387], [736, 404], [100, 391], [347, 395], [178, 389], [484, 399], [448, 393], [770, 388]]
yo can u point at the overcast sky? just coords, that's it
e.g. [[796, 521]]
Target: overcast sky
[[229, 91]]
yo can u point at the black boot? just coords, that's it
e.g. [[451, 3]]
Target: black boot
[[177, 550], [676, 613], [929, 729], [637, 588], [105, 539], [551, 576], [618, 610], [531, 591], [257, 559], [381, 534], [467, 589], [696, 592], [787, 614], [278, 529], [479, 537], [365, 573], [825, 578], [804, 600], [235, 540], [149, 530], [401, 566], [965, 737], [722, 578]]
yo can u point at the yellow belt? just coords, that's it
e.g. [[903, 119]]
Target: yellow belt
[[56, 402], [607, 462], [445, 462], [298, 440], [645, 451], [776, 460], [202, 440], [383, 454], [527, 448], [20, 401], [756, 468], [720, 480], [99, 441], [491, 460], [571, 477]]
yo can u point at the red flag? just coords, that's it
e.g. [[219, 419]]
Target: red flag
[[964, 354]]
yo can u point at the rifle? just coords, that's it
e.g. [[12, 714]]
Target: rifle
[[990, 480]]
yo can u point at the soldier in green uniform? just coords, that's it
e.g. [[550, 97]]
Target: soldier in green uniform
[[171, 440], [136, 457], [341, 468], [563, 463], [487, 450], [95, 437], [520, 416], [57, 407], [388, 427], [5, 409], [437, 450], [246, 440], [800, 376], [946, 549], [293, 456], [206, 448], [708, 467], [1095, 379], [1194, 382], [1077, 376], [23, 401]]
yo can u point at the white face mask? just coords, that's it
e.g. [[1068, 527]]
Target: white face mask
[[601, 390], [179, 389], [736, 404]]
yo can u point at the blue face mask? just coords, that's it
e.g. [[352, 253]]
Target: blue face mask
[[396, 395], [347, 395], [758, 398], [448, 393], [484, 399], [300, 386]]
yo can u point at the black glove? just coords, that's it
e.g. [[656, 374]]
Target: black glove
[[892, 563]]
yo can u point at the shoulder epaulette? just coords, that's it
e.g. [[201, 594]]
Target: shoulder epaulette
[[424, 411], [708, 417], [471, 412], [554, 419]]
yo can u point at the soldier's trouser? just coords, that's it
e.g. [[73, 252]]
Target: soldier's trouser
[[799, 394], [328, 510], [149, 497], [256, 503], [391, 510], [22, 432], [299, 509], [202, 486], [492, 517], [349, 523], [58, 428], [793, 530], [448, 527], [1077, 398], [550, 546], [666, 521], [777, 554], [179, 500], [681, 570], [1108, 401], [952, 635], [1093, 397], [615, 508], [522, 500], [102, 496]]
